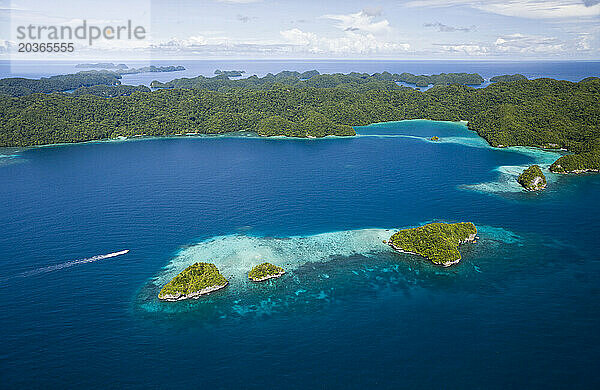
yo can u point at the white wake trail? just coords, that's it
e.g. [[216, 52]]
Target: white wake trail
[[72, 263]]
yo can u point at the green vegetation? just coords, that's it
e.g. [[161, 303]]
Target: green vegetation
[[152, 69], [110, 90], [508, 78], [265, 271], [22, 87], [103, 65], [532, 178], [193, 281], [578, 163], [440, 79], [90, 78], [542, 112], [437, 242], [434, 138], [230, 73], [353, 81]]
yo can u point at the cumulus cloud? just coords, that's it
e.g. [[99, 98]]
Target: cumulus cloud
[[529, 44], [469, 49], [363, 21], [350, 43], [446, 28]]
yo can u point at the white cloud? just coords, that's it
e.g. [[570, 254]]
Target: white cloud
[[529, 44], [468, 49], [533, 9], [350, 43], [361, 21]]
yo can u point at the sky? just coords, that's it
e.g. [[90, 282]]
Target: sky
[[350, 29]]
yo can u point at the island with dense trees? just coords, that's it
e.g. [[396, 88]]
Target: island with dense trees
[[437, 242], [543, 113], [196, 280], [312, 78], [508, 78], [152, 69], [102, 65], [532, 178], [265, 271], [230, 73], [17, 86]]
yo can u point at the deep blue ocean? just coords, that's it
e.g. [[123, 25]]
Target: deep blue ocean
[[519, 311]]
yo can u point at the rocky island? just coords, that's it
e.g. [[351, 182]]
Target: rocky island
[[437, 242], [196, 280], [532, 179], [265, 271]]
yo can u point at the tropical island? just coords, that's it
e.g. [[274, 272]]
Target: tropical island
[[152, 69], [230, 73], [196, 280], [540, 113], [437, 242], [532, 179], [265, 271], [102, 65]]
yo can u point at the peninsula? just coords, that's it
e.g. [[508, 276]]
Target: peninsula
[[265, 271], [437, 242], [196, 280]]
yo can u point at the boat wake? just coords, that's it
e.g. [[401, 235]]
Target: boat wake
[[68, 264]]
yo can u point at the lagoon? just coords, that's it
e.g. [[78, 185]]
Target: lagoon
[[348, 312]]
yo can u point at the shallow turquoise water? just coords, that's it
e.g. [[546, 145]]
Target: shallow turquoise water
[[519, 310]]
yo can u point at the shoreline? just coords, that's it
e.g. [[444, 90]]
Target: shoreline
[[194, 295], [472, 238], [273, 276]]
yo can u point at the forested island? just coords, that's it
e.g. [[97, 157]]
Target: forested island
[[532, 178], [544, 113], [196, 280], [230, 73], [437, 242], [265, 271], [152, 69], [17, 86], [312, 78], [102, 65]]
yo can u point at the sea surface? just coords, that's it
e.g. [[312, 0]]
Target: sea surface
[[519, 311]]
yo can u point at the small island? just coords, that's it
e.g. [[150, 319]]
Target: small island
[[437, 242], [532, 179], [230, 73], [196, 280], [434, 138], [264, 272]]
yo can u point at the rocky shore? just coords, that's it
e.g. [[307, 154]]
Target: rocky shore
[[263, 278], [173, 297]]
